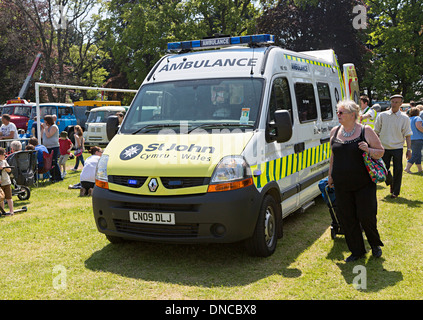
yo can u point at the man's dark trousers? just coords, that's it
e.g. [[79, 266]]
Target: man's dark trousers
[[396, 156]]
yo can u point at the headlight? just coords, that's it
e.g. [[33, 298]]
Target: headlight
[[101, 179], [232, 172]]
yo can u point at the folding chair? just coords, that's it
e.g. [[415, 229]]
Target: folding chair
[[47, 166]]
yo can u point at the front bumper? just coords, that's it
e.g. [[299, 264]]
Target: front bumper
[[216, 217], [98, 143]]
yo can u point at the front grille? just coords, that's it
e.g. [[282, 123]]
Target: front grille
[[94, 138], [128, 181], [168, 182], [184, 182], [157, 230]]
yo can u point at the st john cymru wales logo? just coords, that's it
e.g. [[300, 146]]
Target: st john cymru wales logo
[[161, 150], [131, 152]]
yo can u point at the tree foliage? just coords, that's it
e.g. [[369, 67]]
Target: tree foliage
[[310, 25], [88, 70], [140, 30], [395, 35], [16, 56], [55, 26]]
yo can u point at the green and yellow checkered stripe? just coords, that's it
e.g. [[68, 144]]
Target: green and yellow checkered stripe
[[316, 63], [283, 167]]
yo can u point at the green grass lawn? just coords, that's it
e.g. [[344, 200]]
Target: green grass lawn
[[53, 251]]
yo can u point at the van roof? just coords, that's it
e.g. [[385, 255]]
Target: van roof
[[229, 62], [56, 104], [327, 56], [29, 104], [108, 108]]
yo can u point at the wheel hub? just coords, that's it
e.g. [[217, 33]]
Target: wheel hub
[[269, 227]]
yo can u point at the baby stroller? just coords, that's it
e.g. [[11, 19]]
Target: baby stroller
[[22, 176], [328, 195]]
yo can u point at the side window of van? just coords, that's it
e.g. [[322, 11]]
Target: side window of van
[[280, 98], [306, 101], [325, 101]]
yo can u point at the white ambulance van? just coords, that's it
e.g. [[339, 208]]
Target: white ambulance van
[[220, 145]]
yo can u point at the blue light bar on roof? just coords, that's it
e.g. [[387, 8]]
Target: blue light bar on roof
[[260, 39]]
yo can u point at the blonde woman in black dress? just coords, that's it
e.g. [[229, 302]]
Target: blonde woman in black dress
[[354, 190]]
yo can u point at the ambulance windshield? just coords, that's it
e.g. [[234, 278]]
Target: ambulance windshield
[[184, 106]]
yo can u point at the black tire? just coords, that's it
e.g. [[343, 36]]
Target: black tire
[[264, 240], [25, 193]]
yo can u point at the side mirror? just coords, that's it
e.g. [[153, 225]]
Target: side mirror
[[280, 129], [112, 126]]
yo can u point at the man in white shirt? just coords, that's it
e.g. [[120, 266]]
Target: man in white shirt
[[367, 114], [393, 127], [8, 129]]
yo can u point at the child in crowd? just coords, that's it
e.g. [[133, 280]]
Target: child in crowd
[[88, 172], [5, 181], [79, 147], [65, 146]]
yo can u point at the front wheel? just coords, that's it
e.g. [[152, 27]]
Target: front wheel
[[24, 193], [265, 236]]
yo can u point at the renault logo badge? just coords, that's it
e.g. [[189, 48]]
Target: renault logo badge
[[153, 185]]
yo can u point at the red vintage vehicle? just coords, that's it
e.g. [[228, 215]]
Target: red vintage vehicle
[[19, 111]]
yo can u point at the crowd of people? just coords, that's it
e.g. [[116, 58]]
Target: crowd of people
[[52, 142], [416, 122], [398, 125]]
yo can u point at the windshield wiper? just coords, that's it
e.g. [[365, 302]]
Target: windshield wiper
[[154, 126], [204, 125], [208, 125]]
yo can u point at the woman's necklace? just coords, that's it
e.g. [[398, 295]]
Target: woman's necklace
[[347, 134]]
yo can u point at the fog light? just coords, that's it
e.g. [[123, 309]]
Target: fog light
[[218, 230], [102, 223]]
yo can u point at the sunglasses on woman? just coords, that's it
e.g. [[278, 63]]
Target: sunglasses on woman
[[342, 112]]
